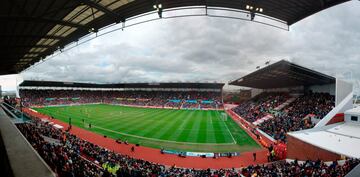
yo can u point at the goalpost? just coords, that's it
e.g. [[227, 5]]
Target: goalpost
[[223, 116]]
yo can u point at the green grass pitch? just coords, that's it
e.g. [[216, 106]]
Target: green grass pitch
[[190, 130]]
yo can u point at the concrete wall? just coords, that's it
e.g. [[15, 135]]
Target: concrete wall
[[342, 90], [23, 159]]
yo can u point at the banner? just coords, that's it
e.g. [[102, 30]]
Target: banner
[[63, 98], [191, 101], [171, 152], [207, 101], [49, 99], [175, 101], [227, 154], [143, 99], [200, 154]]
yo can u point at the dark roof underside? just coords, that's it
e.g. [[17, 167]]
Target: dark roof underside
[[28, 83], [283, 74], [33, 29]]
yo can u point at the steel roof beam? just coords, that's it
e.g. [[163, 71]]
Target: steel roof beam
[[99, 7], [30, 36], [23, 46], [38, 20]]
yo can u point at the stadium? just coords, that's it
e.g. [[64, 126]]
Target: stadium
[[290, 120]]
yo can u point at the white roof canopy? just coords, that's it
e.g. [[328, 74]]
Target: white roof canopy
[[340, 138]]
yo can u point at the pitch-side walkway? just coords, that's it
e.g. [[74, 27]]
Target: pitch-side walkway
[[154, 155]]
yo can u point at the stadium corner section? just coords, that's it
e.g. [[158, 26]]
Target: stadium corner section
[[261, 138], [154, 155]]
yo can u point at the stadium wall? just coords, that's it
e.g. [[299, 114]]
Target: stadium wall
[[328, 88], [342, 88], [296, 89], [297, 149], [22, 158], [255, 92], [336, 119]]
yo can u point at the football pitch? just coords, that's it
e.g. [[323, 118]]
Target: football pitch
[[186, 130]]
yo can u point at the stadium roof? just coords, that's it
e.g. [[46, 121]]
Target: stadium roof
[[32, 30], [28, 83], [283, 74], [340, 138]]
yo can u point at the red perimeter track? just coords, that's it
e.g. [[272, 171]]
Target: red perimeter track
[[154, 155]]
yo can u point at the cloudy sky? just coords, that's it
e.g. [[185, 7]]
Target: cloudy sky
[[210, 49]]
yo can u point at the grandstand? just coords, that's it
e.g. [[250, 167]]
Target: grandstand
[[290, 100], [294, 113], [163, 95]]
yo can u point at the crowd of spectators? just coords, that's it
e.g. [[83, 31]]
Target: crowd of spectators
[[70, 156], [297, 115], [138, 98], [260, 106]]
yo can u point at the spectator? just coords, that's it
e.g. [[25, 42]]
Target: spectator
[[293, 117], [76, 157], [174, 99]]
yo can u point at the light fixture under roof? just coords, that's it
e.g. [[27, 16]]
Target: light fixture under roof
[[159, 9]]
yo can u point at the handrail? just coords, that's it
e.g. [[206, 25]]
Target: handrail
[[8, 111]]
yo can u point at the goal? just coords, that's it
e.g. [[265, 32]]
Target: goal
[[223, 116]]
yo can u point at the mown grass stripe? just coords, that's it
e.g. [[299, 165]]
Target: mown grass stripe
[[202, 131], [193, 130], [210, 128]]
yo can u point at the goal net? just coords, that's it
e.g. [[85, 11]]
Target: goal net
[[223, 116]]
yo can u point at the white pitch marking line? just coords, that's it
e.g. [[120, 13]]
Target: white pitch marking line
[[141, 137], [228, 129]]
